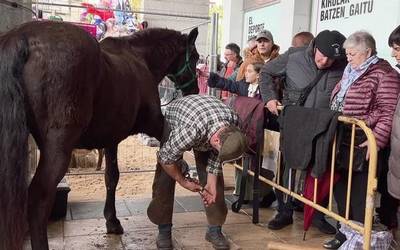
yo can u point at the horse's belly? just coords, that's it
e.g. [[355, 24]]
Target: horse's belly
[[106, 130], [101, 140]]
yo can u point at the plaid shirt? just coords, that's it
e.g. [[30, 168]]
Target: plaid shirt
[[193, 120]]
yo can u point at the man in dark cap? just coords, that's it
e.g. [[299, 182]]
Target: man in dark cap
[[265, 51], [209, 127], [317, 68], [324, 57], [266, 45]]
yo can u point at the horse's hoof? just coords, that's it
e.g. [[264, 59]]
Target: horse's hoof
[[114, 227]]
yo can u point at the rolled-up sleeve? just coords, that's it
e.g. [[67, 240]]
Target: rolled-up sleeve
[[214, 166]]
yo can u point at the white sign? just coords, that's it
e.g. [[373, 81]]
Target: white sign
[[379, 17], [266, 18]]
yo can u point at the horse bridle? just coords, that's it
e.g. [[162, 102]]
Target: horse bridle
[[182, 70]]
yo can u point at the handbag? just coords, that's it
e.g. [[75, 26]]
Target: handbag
[[343, 150], [292, 97], [380, 238], [299, 96]]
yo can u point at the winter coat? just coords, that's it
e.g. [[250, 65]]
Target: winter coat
[[301, 145], [373, 98], [251, 115], [299, 69], [202, 76], [254, 55], [230, 75], [393, 178], [222, 72]]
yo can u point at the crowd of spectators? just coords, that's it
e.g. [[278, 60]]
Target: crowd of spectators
[[333, 73]]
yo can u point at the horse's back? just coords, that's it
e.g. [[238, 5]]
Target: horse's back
[[49, 38], [59, 76]]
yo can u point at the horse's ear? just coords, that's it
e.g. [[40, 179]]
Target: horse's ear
[[193, 35]]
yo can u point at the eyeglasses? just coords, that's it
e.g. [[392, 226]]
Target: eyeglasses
[[357, 52]]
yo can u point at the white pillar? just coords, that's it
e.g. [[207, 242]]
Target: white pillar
[[232, 23]]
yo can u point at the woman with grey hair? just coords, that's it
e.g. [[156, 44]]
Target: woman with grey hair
[[368, 91]]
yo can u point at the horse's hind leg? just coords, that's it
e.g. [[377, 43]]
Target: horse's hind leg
[[100, 159], [55, 154], [111, 177]]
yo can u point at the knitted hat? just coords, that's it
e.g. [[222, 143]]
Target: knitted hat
[[330, 43]]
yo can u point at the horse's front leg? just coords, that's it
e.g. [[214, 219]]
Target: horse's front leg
[[111, 177], [55, 155]]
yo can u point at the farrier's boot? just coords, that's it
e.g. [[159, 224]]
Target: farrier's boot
[[164, 238], [216, 238], [164, 241]]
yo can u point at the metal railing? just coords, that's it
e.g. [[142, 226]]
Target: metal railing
[[364, 230]]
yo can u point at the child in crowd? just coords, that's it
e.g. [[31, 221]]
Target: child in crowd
[[246, 87]]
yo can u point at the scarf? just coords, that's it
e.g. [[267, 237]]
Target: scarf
[[350, 75], [253, 90]]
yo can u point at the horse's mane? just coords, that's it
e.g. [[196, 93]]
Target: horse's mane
[[165, 41], [152, 35]]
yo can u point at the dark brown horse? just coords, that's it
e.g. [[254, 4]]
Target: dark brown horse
[[69, 91]]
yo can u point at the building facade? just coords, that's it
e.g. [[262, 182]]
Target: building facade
[[196, 9], [11, 17], [285, 18]]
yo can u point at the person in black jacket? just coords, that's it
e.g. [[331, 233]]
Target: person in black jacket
[[310, 75]]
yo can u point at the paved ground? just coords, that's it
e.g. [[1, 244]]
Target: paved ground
[[84, 227]]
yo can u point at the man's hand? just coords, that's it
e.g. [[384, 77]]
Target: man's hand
[[176, 173], [231, 64], [365, 144], [191, 184], [272, 106], [209, 194]]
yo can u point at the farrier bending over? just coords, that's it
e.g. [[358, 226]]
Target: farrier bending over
[[209, 127]]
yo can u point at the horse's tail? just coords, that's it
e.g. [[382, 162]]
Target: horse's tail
[[13, 143]]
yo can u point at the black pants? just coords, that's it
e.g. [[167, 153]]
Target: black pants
[[285, 207], [357, 197], [387, 211]]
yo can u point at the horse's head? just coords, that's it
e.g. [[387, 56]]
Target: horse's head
[[166, 52], [183, 69]]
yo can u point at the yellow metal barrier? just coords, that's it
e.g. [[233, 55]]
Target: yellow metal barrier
[[371, 187]]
